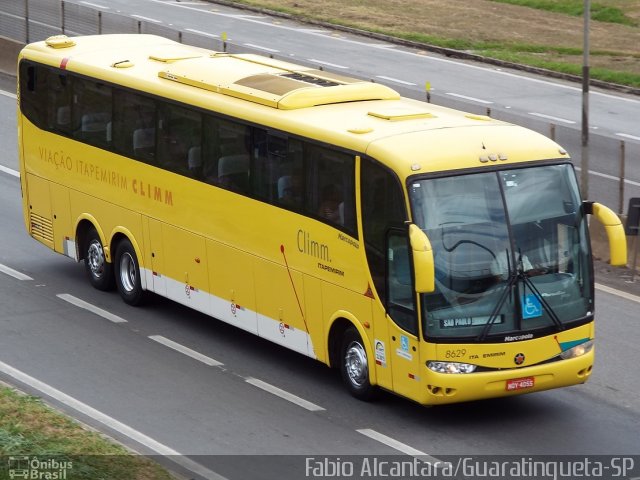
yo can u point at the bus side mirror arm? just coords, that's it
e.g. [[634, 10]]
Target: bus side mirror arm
[[423, 265], [614, 229]]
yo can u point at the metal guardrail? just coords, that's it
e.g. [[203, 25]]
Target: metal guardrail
[[33, 20]]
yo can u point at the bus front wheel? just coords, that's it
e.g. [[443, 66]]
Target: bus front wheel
[[100, 271], [354, 366], [128, 274]]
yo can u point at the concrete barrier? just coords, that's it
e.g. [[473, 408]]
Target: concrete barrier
[[9, 50]]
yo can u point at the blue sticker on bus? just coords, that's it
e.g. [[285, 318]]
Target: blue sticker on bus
[[531, 307]]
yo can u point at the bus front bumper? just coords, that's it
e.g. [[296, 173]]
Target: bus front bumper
[[440, 388]]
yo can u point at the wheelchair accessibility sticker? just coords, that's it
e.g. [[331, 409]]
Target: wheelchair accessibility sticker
[[531, 307]]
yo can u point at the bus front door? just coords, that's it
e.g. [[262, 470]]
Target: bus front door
[[402, 316]]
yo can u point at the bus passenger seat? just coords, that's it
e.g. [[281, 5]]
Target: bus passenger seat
[[144, 140], [95, 122], [94, 127], [284, 185], [194, 161], [63, 116], [233, 172]]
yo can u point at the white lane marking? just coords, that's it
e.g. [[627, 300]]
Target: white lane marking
[[95, 5], [630, 182], [551, 117], [604, 175], [185, 350], [598, 174], [314, 60], [473, 99], [395, 80], [395, 444], [311, 30], [10, 171], [619, 293], [147, 19], [250, 17], [626, 135], [259, 47], [91, 308], [108, 421], [200, 32], [14, 273], [9, 94], [312, 407], [610, 177]]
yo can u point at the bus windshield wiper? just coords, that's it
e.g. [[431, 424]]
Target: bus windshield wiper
[[514, 275], [528, 283], [511, 282]]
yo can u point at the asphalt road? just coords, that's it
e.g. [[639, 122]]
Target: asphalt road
[[114, 374]]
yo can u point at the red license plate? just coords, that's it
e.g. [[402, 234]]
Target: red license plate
[[520, 383]]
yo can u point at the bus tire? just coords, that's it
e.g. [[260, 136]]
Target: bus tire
[[127, 274], [354, 366], [99, 270]]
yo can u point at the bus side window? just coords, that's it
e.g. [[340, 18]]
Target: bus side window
[[91, 112], [330, 183], [210, 151], [134, 126], [290, 183], [225, 154], [400, 293], [179, 138], [382, 207], [33, 92], [276, 171], [59, 102]]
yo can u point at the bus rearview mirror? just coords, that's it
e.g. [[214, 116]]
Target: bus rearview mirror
[[423, 265], [614, 229]]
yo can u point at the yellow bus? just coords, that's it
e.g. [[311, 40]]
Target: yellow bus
[[437, 254]]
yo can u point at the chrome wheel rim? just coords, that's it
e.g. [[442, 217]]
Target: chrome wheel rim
[[127, 272], [356, 364], [95, 258]]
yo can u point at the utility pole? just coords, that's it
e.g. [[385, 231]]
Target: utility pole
[[585, 102]]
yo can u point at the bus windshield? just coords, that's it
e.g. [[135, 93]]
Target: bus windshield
[[511, 253]]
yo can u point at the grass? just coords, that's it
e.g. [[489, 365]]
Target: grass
[[599, 12], [30, 428], [540, 33]]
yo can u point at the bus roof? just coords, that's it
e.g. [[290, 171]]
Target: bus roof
[[408, 135]]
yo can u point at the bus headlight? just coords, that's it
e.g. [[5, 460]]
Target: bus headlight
[[450, 367], [578, 350]]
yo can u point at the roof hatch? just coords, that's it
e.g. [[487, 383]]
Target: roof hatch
[[395, 114], [59, 41], [174, 54], [271, 82]]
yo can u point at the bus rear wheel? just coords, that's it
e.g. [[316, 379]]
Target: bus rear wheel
[[354, 366], [127, 274], [100, 271]]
